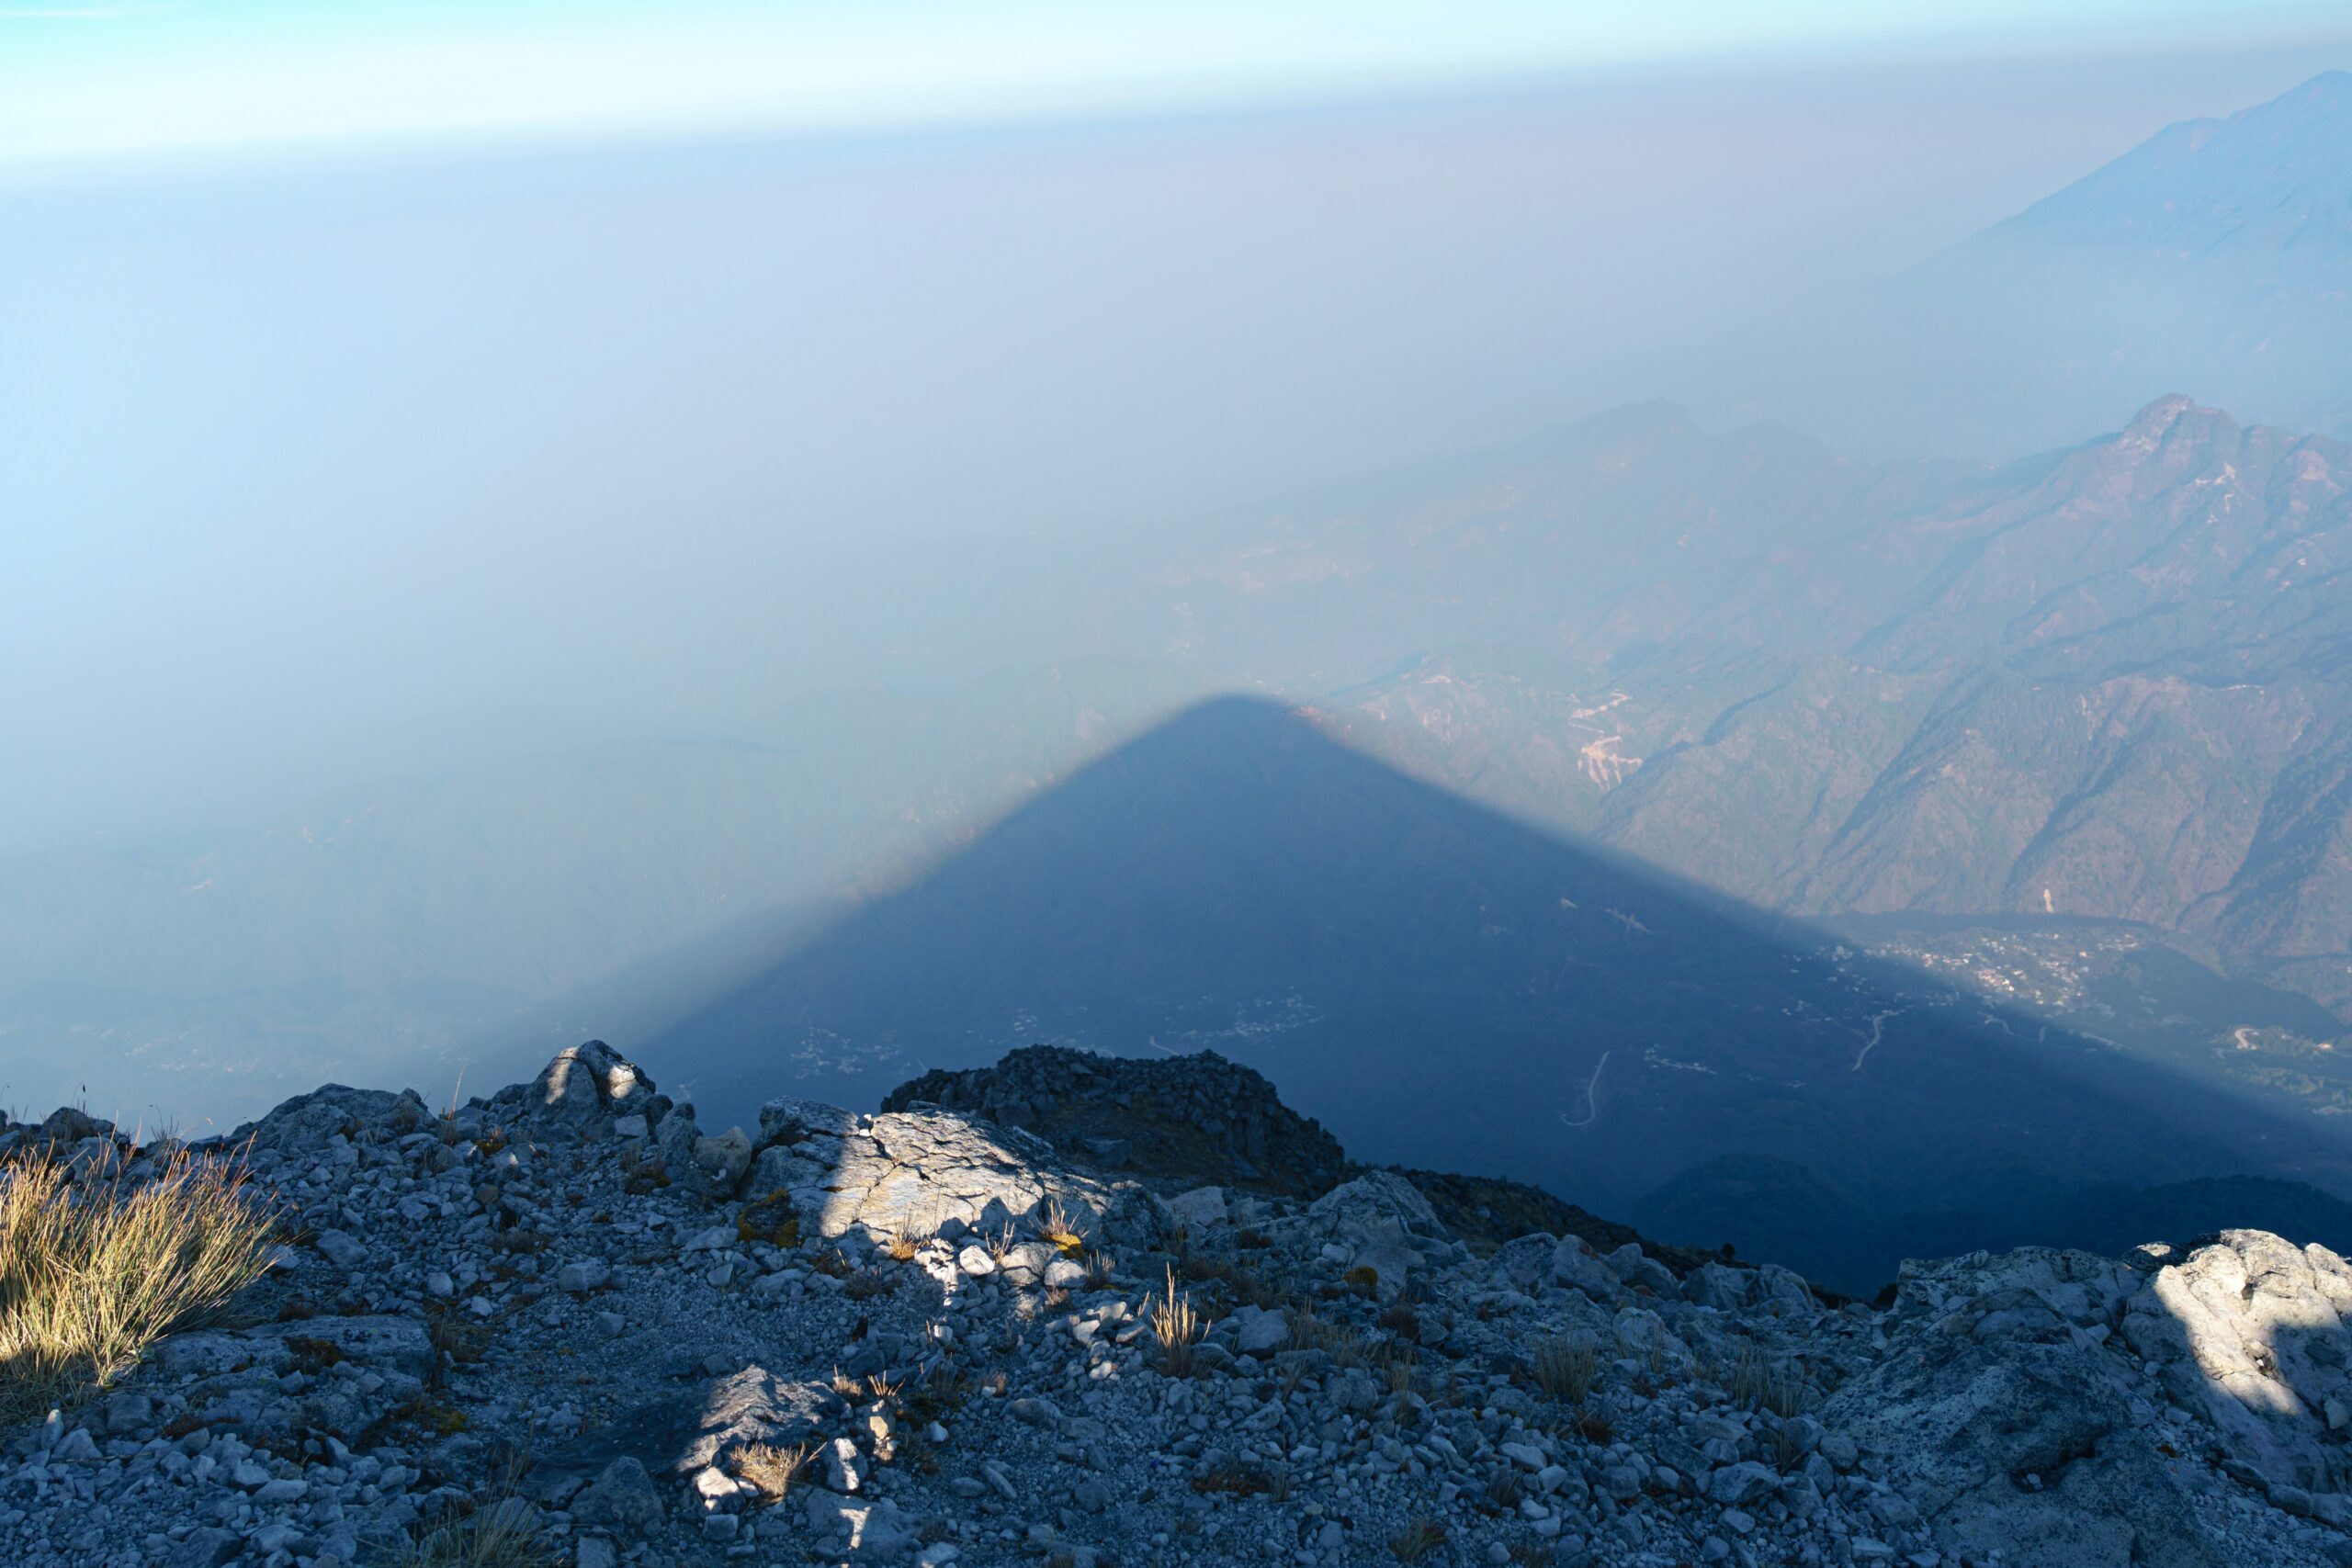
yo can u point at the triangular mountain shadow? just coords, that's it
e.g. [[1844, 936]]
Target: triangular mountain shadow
[[1448, 988]]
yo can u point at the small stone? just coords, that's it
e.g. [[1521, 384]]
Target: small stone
[[717, 1238], [1737, 1483], [845, 1469], [1261, 1331], [346, 1252], [1201, 1209], [622, 1499], [208, 1548], [584, 1276], [129, 1413]]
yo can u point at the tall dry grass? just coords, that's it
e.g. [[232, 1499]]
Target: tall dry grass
[[95, 1266], [1175, 1328], [497, 1536], [1566, 1366]]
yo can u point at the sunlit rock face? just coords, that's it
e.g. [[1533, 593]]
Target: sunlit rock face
[[2257, 1331]]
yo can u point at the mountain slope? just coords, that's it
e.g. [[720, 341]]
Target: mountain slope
[[2215, 257], [2273, 182], [2110, 682]]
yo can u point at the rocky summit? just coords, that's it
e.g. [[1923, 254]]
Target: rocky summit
[[932, 1335]]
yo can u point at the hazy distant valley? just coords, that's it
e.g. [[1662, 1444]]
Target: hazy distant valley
[[1771, 845]]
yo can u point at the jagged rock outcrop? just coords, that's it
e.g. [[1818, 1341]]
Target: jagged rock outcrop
[[2058, 1406], [918, 1175], [2255, 1333], [2011, 1429], [921, 1337], [1197, 1115]]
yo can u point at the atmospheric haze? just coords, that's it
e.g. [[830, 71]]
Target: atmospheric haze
[[1770, 522]]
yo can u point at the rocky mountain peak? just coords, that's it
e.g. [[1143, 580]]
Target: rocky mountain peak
[[2156, 421], [1196, 1116], [924, 1335]]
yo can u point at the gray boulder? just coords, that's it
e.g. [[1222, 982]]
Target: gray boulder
[[621, 1499], [721, 1162], [1200, 1209], [2254, 1332], [1386, 1225], [918, 1173], [1574, 1265], [2010, 1429], [588, 1081]]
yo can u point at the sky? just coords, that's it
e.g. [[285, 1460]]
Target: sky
[[80, 78], [389, 389]]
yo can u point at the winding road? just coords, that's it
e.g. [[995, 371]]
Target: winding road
[[1878, 1030], [1591, 1097]]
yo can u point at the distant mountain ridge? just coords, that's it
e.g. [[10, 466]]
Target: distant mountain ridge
[[2215, 258], [2272, 182], [2109, 683]]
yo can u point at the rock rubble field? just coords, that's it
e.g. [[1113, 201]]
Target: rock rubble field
[[932, 1337]]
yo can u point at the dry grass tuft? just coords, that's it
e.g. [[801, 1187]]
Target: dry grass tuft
[[1175, 1328], [1756, 1383], [1566, 1366], [94, 1270], [491, 1536], [770, 1218], [946, 1388], [1416, 1540], [1342, 1344], [865, 1284], [772, 1470], [1060, 1230]]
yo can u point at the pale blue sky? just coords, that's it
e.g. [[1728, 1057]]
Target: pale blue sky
[[79, 77]]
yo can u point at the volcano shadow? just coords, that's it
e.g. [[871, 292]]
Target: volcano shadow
[[1443, 986]]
